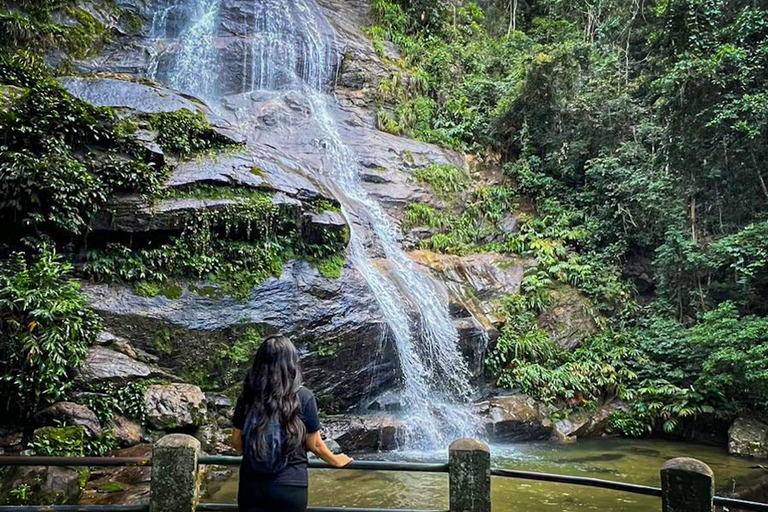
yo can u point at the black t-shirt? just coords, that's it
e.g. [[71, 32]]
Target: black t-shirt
[[295, 472]]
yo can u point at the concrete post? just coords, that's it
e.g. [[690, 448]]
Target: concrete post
[[687, 485], [175, 479], [470, 476]]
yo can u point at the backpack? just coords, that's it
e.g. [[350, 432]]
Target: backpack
[[275, 460]]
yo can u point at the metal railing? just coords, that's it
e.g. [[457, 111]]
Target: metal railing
[[683, 480]]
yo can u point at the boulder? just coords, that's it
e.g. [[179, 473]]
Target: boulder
[[175, 406], [69, 413], [127, 432], [106, 365], [514, 418], [363, 433], [748, 437], [43, 485], [585, 424]]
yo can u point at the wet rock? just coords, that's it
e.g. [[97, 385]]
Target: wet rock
[[514, 418], [127, 432], [570, 319], [135, 214], [339, 315], [585, 424], [175, 406], [45, 485], [106, 365], [69, 413], [233, 170], [110, 92], [748, 437], [363, 433]]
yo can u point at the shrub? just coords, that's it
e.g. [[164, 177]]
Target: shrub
[[46, 325]]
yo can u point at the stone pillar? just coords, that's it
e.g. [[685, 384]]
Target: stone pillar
[[174, 474], [470, 476], [687, 485]]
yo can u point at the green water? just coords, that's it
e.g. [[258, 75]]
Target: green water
[[635, 461]]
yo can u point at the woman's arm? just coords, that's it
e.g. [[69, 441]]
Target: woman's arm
[[237, 440], [315, 444]]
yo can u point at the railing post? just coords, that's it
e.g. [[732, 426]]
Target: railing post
[[469, 476], [174, 474], [687, 485]]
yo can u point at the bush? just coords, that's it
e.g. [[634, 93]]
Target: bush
[[46, 325], [183, 132]]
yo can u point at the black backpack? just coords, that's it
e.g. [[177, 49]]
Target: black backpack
[[275, 460]]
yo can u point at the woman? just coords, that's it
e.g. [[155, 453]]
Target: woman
[[275, 424]]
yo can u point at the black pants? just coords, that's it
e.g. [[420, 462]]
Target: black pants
[[254, 496]]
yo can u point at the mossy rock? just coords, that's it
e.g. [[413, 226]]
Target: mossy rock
[[58, 441], [43, 485]]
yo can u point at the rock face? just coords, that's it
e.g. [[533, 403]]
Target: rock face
[[514, 418], [748, 437], [69, 413], [45, 485], [570, 319], [106, 365], [175, 406], [335, 323]]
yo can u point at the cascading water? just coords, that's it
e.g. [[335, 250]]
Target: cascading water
[[192, 24], [292, 47]]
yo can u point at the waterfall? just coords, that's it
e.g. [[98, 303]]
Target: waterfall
[[293, 47], [192, 24]]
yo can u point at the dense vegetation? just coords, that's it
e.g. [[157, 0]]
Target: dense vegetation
[[638, 130]]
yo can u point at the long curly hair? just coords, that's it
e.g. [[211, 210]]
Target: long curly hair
[[271, 391]]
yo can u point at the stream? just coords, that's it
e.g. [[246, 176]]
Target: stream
[[627, 460]]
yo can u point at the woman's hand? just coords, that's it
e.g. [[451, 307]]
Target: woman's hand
[[342, 460]]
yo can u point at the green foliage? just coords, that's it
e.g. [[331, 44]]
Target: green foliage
[[47, 326], [100, 446], [723, 357], [107, 399], [330, 267], [183, 132], [50, 181], [445, 180], [47, 25], [58, 441]]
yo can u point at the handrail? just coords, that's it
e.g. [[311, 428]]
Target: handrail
[[754, 506], [23, 460], [578, 480], [362, 465], [424, 467], [75, 508], [227, 507]]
